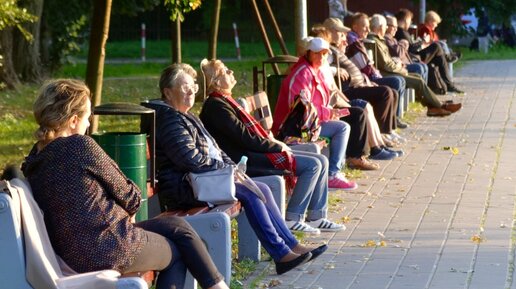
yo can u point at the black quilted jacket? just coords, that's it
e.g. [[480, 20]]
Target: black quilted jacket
[[181, 147]]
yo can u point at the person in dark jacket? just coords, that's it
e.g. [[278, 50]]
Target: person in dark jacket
[[429, 53], [183, 145], [88, 202], [239, 134], [435, 107]]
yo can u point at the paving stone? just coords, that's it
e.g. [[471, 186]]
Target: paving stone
[[428, 206]]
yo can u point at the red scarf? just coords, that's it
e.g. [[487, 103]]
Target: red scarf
[[281, 160]]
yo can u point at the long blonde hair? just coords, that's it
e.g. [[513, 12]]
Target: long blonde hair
[[57, 102], [211, 69]]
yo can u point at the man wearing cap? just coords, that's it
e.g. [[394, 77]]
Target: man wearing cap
[[358, 85], [357, 53], [390, 67], [306, 77]]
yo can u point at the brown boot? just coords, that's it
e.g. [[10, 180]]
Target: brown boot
[[361, 163], [452, 107], [437, 111]]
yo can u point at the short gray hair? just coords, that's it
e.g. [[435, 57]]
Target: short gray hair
[[376, 21], [170, 74]]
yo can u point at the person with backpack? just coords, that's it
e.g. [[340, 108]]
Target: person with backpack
[[429, 53], [389, 67]]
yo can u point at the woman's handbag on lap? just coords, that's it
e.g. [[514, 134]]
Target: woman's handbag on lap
[[214, 187]]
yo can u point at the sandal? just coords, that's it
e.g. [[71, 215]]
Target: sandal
[[299, 226]]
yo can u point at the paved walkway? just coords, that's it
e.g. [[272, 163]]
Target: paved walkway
[[432, 219]]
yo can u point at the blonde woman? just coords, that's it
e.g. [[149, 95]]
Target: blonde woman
[[88, 202]]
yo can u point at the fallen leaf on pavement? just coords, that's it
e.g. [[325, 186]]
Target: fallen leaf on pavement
[[345, 219], [477, 239]]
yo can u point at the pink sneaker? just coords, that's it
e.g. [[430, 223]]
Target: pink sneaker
[[339, 182]]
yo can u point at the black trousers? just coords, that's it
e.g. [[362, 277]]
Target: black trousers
[[384, 101], [172, 244], [358, 136], [435, 54]]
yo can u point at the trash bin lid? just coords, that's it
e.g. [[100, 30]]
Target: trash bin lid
[[121, 108]]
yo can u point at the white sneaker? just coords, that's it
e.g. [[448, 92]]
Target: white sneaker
[[398, 137], [300, 226], [326, 225]]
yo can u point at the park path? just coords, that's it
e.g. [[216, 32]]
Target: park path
[[443, 215]]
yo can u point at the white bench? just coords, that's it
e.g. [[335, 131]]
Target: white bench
[[23, 231]]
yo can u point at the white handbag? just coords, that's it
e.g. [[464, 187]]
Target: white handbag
[[214, 187]]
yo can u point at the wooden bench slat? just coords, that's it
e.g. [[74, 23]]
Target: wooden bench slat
[[232, 210]]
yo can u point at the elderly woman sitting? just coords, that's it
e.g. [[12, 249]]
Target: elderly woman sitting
[[184, 145], [239, 134]]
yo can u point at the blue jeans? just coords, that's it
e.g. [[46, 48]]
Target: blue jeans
[[419, 68], [311, 192], [266, 221], [338, 133]]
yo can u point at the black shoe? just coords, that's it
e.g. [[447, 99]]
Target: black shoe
[[318, 251], [455, 90], [401, 124], [283, 267]]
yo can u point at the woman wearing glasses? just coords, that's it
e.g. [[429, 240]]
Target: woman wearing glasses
[[183, 145]]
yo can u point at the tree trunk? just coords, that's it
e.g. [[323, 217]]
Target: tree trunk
[[212, 53], [26, 56], [7, 73], [175, 37], [97, 52]]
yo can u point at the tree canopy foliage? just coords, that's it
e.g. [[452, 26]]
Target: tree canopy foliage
[[178, 8], [12, 15]]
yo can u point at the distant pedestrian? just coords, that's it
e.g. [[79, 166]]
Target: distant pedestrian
[[338, 9]]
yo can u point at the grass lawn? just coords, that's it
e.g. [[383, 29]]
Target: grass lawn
[[136, 81]]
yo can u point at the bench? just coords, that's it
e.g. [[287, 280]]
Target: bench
[[28, 259], [214, 228], [210, 224]]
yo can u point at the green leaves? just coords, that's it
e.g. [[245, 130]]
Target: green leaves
[[178, 8], [12, 15]]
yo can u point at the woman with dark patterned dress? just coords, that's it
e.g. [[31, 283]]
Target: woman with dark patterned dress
[[88, 203]]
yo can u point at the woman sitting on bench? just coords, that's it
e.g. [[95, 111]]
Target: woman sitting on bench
[[183, 145], [238, 133], [88, 203]]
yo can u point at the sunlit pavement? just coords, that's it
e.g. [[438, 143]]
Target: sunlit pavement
[[442, 216]]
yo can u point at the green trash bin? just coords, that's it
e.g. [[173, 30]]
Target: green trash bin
[[128, 150], [273, 88]]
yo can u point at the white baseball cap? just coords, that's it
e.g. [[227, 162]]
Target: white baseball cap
[[317, 44]]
